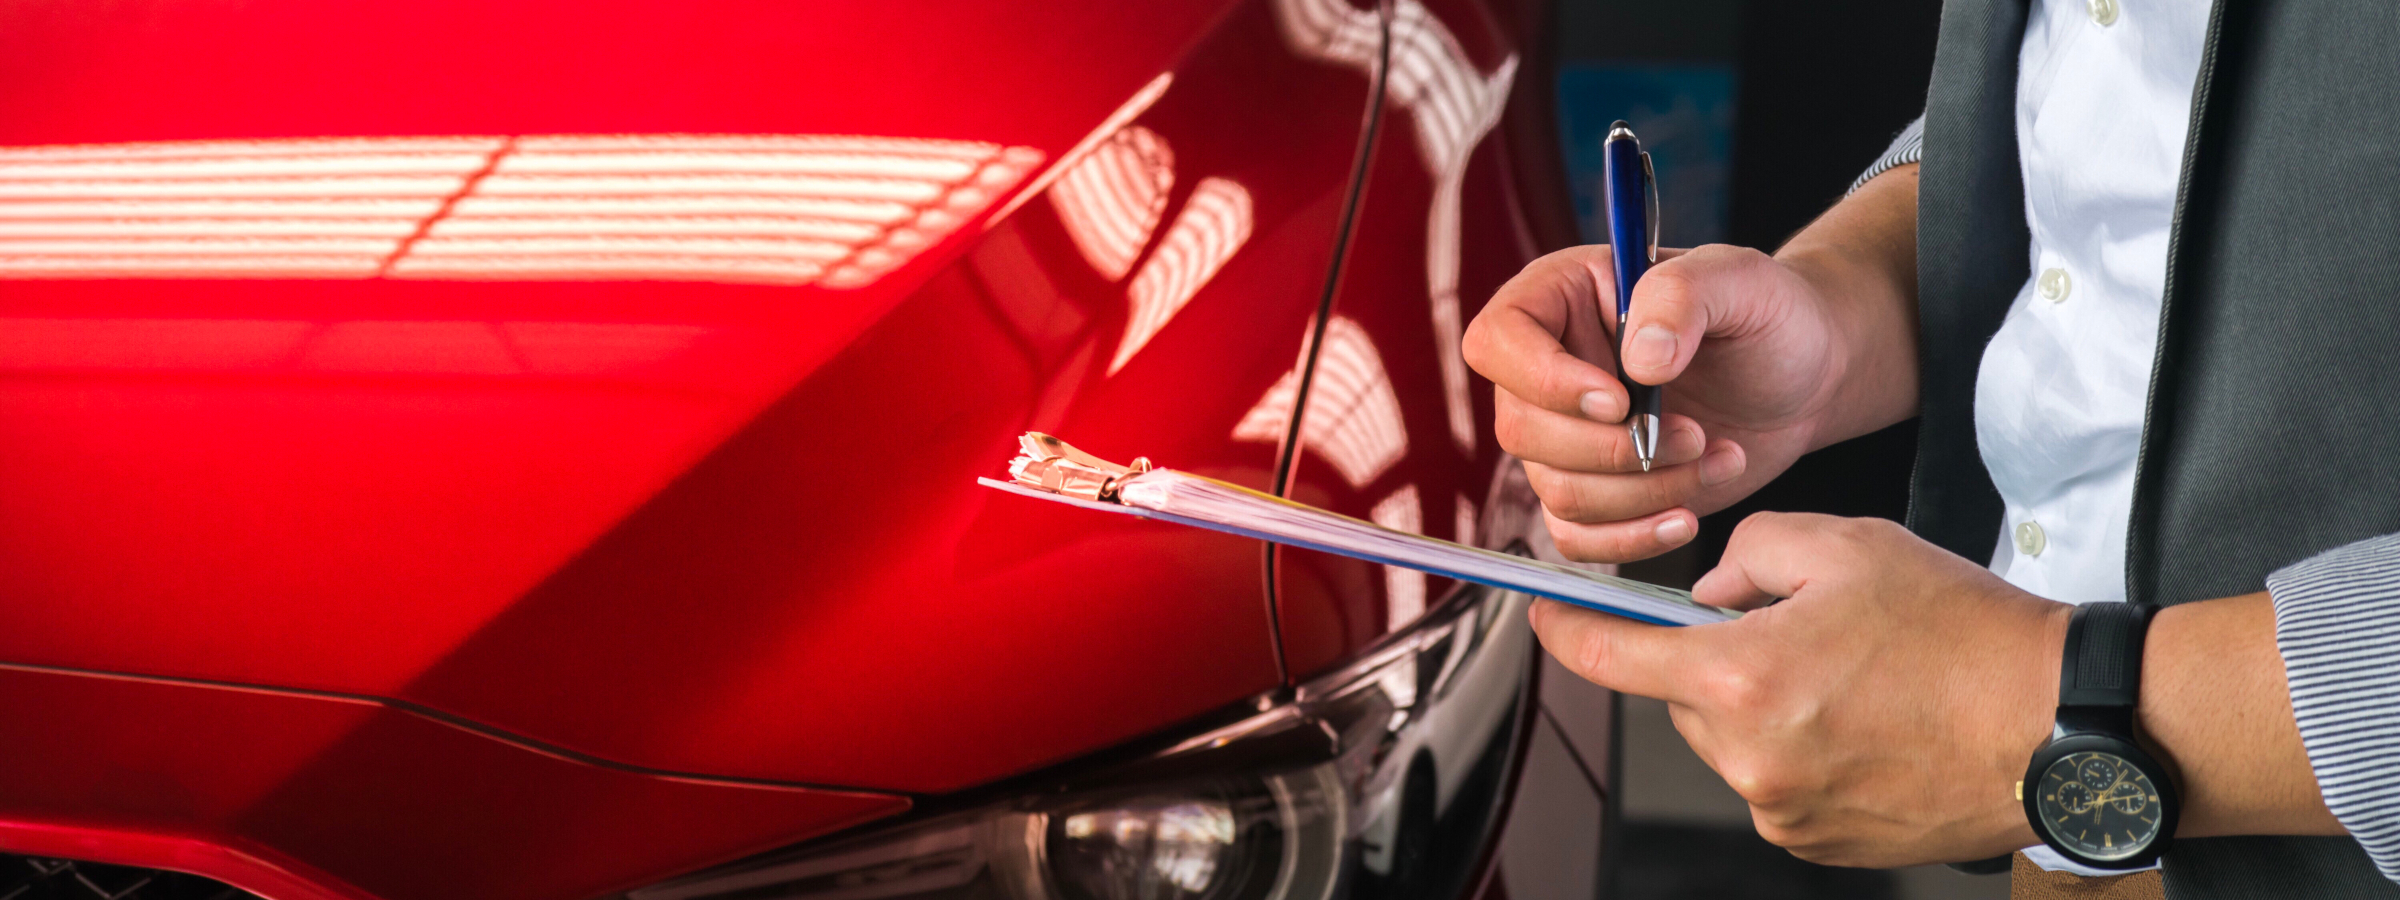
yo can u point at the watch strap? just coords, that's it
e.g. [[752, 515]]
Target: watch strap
[[1998, 865], [2102, 662]]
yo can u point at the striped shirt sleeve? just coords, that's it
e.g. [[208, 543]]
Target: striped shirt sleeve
[[2337, 621], [1907, 148]]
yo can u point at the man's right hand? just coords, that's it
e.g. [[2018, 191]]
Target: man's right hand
[[1767, 357]]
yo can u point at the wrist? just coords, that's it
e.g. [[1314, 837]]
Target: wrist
[[2030, 712], [1859, 260], [2014, 679], [2216, 705], [1874, 347]]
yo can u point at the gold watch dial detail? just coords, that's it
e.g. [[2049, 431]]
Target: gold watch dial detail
[[2098, 804]]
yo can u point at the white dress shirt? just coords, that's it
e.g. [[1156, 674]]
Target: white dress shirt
[[2104, 92]]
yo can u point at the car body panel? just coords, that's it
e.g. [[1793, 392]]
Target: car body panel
[[338, 797], [723, 529], [1398, 429], [403, 581]]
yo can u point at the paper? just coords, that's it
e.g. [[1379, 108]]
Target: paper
[[1049, 469]]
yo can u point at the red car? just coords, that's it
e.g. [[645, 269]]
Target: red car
[[527, 449]]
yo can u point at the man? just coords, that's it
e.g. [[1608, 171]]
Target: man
[[2143, 291]]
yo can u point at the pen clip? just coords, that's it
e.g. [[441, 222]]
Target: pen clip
[[1650, 190]]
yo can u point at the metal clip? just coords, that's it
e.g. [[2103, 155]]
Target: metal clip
[[1650, 188], [1054, 465]]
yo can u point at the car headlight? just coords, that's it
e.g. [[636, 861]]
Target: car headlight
[[1384, 778]]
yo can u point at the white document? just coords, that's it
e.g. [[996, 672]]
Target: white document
[[1048, 469]]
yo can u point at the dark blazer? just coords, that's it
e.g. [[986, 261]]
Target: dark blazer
[[2273, 427]]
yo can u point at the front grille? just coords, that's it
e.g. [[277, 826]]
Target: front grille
[[40, 878]]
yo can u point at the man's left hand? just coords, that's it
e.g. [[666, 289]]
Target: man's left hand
[[1879, 715]]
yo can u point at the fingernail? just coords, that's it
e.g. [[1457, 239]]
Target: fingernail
[[1701, 583], [1720, 465], [1652, 347], [1683, 444], [1673, 531], [1601, 406]]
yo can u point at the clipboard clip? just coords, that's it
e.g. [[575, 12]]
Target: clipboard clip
[[1053, 465]]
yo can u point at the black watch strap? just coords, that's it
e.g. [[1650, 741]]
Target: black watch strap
[[2099, 682], [2102, 665], [1998, 865]]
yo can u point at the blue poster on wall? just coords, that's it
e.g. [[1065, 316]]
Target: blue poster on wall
[[1684, 115]]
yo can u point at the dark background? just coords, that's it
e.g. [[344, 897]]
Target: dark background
[[1820, 89]]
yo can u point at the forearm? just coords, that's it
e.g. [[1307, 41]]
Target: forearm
[[2215, 701], [1862, 257]]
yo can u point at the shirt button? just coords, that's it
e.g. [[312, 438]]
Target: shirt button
[[2030, 539], [2103, 11], [2054, 285]]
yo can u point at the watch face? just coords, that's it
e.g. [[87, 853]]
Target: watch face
[[2098, 804]]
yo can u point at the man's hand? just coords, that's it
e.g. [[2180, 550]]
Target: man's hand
[[1880, 715], [1883, 712], [1757, 357], [1769, 358]]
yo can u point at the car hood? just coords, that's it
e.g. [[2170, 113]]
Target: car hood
[[723, 527]]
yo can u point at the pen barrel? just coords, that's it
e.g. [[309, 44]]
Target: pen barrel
[[1629, 270], [1645, 397], [1626, 183]]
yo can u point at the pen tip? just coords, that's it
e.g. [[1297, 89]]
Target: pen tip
[[1644, 430]]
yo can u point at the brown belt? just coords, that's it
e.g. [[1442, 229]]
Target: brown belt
[[2027, 881]]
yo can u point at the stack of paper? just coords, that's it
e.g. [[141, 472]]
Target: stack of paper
[[1049, 469]]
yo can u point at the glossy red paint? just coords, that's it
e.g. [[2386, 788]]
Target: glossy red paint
[[301, 797], [599, 581], [1439, 229], [282, 879], [725, 529]]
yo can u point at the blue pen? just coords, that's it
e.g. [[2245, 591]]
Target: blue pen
[[1632, 224]]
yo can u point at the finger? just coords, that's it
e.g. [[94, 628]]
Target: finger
[[1541, 338], [1595, 497], [1580, 444], [1769, 556], [1614, 652], [1604, 274], [1626, 541], [1709, 291]]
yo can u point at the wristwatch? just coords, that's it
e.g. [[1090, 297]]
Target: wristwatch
[[2093, 794]]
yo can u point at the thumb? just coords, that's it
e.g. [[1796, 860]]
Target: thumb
[[1614, 652], [1681, 300], [1769, 556]]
